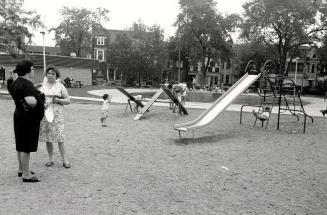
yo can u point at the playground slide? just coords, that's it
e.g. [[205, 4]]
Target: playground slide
[[122, 90], [175, 100], [220, 104], [149, 104]]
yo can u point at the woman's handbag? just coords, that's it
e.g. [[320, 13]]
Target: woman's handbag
[[38, 110], [48, 113]]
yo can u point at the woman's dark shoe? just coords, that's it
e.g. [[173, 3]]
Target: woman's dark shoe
[[49, 163], [32, 179], [66, 165], [21, 173]]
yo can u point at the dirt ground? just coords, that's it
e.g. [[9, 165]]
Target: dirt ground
[[143, 167]]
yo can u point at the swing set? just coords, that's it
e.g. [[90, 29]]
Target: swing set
[[277, 91]]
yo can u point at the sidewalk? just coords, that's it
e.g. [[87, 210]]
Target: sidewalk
[[312, 108]]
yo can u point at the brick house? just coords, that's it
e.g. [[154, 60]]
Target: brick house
[[219, 73]]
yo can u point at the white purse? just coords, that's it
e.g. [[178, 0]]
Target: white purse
[[48, 113]]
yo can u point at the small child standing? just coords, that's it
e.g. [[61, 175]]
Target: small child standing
[[105, 109]]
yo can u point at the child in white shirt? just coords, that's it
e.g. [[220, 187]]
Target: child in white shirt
[[105, 109], [262, 116]]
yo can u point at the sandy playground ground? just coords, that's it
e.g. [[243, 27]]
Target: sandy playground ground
[[142, 167]]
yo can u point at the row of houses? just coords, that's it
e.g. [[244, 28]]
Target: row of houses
[[94, 68]]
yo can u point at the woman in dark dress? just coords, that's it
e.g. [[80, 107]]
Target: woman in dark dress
[[27, 116]]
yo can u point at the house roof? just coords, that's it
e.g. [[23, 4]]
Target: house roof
[[39, 49], [62, 61], [114, 33]]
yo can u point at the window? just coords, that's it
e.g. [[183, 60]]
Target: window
[[212, 64], [227, 79], [170, 63], [217, 69], [313, 68], [179, 64], [99, 54], [195, 68], [100, 40]]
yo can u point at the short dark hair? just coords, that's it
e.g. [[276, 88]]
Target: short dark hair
[[105, 96], [23, 67], [53, 68]]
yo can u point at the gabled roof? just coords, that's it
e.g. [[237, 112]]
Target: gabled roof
[[62, 61], [39, 49], [114, 33]]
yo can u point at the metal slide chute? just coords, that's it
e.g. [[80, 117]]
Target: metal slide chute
[[220, 104]]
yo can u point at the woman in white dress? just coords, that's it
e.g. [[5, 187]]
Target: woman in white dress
[[52, 129]]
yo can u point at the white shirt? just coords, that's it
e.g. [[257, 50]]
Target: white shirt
[[105, 105], [266, 114], [184, 88]]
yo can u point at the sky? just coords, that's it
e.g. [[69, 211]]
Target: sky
[[122, 13]]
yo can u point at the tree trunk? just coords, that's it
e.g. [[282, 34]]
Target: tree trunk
[[201, 73]]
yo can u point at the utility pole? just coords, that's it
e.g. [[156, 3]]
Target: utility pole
[[295, 74], [179, 65], [44, 63]]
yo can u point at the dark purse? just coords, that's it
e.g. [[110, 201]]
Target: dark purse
[[38, 110]]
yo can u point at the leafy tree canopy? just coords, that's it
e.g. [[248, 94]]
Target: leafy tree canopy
[[15, 24], [254, 50], [140, 52], [74, 33], [204, 32], [284, 25]]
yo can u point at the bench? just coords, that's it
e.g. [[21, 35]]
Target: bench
[[67, 83], [78, 83], [70, 83]]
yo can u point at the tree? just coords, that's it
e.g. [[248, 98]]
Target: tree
[[74, 33], [14, 25], [254, 50], [139, 53], [323, 56], [284, 25], [177, 53], [204, 32]]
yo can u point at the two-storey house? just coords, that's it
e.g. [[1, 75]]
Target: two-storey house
[[304, 68], [219, 73]]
